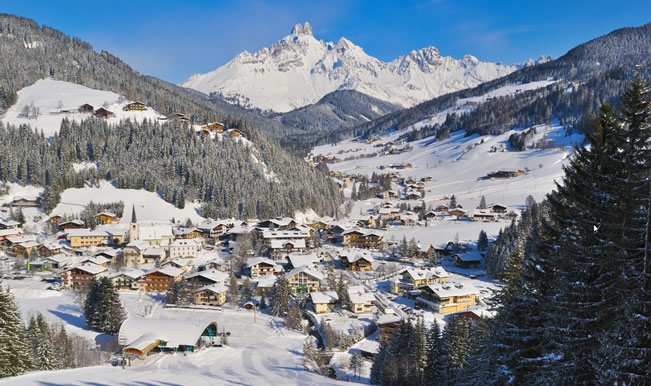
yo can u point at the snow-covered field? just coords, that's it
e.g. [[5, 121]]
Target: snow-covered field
[[51, 97], [149, 205], [260, 353]]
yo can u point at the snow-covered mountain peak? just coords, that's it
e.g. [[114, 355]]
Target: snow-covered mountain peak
[[305, 29], [298, 70]]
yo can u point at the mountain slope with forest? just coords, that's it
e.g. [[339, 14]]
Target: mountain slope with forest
[[225, 175]]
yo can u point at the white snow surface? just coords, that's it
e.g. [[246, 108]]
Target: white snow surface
[[149, 205], [299, 70], [52, 96]]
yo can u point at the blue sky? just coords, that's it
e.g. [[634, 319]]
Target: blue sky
[[175, 39]]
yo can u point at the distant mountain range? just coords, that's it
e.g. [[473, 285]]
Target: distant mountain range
[[299, 70]]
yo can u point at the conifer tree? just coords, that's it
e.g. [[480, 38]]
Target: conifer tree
[[453, 202], [15, 351], [280, 301], [45, 355], [247, 291], [482, 241], [435, 368], [482, 203]]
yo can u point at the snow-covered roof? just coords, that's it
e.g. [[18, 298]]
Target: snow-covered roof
[[179, 262], [99, 260], [20, 239], [358, 295], [314, 273], [297, 259], [266, 281], [138, 244], [29, 244], [155, 232], [484, 212], [368, 346], [9, 223], [281, 243], [142, 332], [131, 273], [468, 258], [211, 274], [452, 289], [258, 260], [167, 270], [108, 252], [216, 288], [59, 258], [184, 243], [10, 231], [153, 252], [289, 234], [91, 268], [108, 214], [384, 319], [324, 297]]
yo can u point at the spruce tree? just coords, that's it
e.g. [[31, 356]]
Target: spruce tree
[[482, 203], [436, 365], [280, 300], [482, 241], [15, 350], [453, 202]]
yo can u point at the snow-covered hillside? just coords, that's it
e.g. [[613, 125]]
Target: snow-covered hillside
[[458, 164], [299, 70], [45, 103]]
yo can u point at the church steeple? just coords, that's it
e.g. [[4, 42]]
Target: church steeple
[[133, 215]]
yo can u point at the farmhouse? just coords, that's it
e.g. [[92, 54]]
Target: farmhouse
[[484, 215], [467, 261], [86, 108], [127, 280], [458, 212], [103, 113], [135, 106], [357, 260], [142, 336], [107, 218], [215, 127], [71, 224], [23, 202], [360, 300]]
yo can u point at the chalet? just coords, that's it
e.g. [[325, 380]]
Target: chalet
[[458, 212], [108, 253], [278, 224], [467, 261], [186, 233], [25, 248], [159, 280], [153, 255], [10, 241], [132, 253], [322, 225], [11, 232], [499, 209], [98, 260], [362, 238], [413, 195], [127, 280], [264, 284], [389, 195], [441, 209], [388, 213], [103, 113], [80, 238], [368, 222], [387, 325], [215, 127], [448, 297], [80, 276], [205, 278], [210, 295], [409, 219], [214, 229], [185, 248], [360, 300], [107, 218], [279, 248], [9, 224], [143, 336], [323, 302], [235, 133], [430, 216], [304, 280], [417, 278], [71, 224], [181, 264], [484, 215], [216, 263], [23, 202], [86, 108], [135, 106], [335, 234], [357, 260]]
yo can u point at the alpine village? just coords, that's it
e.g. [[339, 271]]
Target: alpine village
[[309, 214]]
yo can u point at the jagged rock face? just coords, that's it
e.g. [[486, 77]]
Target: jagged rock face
[[299, 70]]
